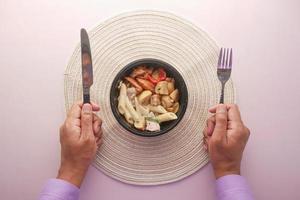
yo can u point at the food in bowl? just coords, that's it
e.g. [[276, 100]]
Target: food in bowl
[[147, 98]]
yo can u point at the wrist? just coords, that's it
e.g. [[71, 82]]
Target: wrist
[[219, 174], [226, 170], [71, 174]]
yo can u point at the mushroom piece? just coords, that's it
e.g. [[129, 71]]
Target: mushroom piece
[[144, 97], [162, 88], [155, 100], [134, 83], [168, 79], [175, 95], [174, 108], [171, 85], [167, 102], [147, 85]]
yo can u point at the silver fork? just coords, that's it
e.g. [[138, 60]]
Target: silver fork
[[224, 68]]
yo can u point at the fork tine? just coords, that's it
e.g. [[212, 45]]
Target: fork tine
[[223, 59], [220, 58], [226, 60], [230, 59]]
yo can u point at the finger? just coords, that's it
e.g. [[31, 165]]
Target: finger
[[97, 122], [77, 122], [100, 135], [221, 122], [205, 142], [234, 113], [204, 132], [213, 109], [211, 125], [87, 121], [206, 146], [75, 110], [95, 107], [97, 118], [96, 129], [78, 105], [99, 142]]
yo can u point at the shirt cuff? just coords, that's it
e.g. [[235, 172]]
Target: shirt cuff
[[233, 187], [59, 189]]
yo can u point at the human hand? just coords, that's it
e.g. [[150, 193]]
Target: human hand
[[80, 136], [225, 138]]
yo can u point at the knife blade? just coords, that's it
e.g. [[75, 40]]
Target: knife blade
[[87, 65]]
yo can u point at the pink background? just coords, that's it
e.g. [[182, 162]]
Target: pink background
[[37, 38]]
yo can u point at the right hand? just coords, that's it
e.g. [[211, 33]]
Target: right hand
[[80, 137], [225, 138]]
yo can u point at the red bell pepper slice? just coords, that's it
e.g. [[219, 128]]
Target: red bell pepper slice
[[161, 76]]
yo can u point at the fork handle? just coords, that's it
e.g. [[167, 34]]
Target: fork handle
[[222, 94]]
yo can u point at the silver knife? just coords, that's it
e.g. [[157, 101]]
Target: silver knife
[[87, 65]]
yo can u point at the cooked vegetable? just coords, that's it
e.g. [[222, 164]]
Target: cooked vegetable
[[151, 116], [147, 85], [171, 85], [155, 100], [147, 98], [152, 126], [139, 71], [166, 117], [149, 70], [174, 108], [134, 83], [157, 109], [155, 74], [162, 88], [168, 79], [175, 95], [167, 102], [144, 97], [158, 75]]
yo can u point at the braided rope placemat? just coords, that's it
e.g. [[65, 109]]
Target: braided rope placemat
[[150, 34]]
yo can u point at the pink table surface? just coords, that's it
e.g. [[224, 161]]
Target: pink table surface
[[38, 37]]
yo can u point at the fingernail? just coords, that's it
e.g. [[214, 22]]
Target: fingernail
[[222, 109], [87, 108]]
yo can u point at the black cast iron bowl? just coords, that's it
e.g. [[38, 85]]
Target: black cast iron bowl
[[179, 84]]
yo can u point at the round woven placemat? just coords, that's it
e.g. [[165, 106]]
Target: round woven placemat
[[164, 36]]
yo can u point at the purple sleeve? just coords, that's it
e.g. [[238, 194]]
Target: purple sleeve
[[233, 187], [57, 189]]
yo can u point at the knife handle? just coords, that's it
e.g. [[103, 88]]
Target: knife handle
[[86, 98]]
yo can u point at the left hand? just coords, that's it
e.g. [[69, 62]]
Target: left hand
[[80, 137]]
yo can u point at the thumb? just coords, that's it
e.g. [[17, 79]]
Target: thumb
[[87, 121]]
